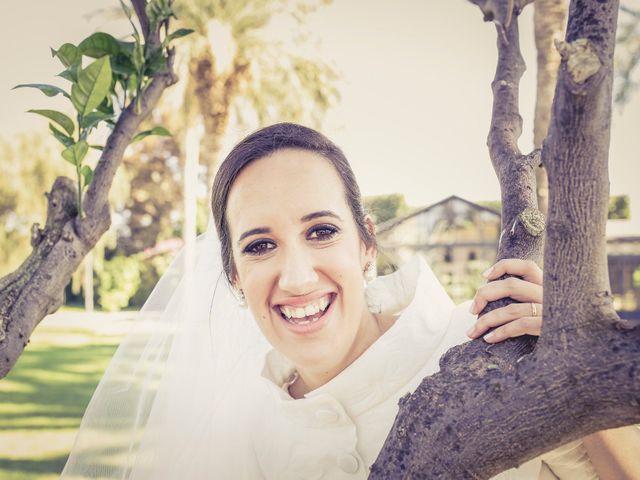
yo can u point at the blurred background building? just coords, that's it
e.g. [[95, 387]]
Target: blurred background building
[[459, 240]]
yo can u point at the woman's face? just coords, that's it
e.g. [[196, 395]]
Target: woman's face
[[299, 259]]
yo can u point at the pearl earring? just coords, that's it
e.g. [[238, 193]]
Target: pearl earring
[[240, 298], [369, 272], [371, 294]]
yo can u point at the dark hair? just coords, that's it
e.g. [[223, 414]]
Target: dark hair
[[264, 142]]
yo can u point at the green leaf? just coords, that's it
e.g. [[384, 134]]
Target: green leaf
[[157, 11], [68, 75], [123, 65], [106, 106], [48, 90], [58, 117], [181, 32], [137, 56], [71, 73], [65, 140], [87, 174], [161, 131], [127, 48], [76, 153], [155, 62], [97, 147], [68, 54], [132, 84], [93, 86], [92, 119], [98, 45]]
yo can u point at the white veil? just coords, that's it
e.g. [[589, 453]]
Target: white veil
[[190, 370], [189, 355]]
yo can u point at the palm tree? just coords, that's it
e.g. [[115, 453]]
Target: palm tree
[[236, 63], [235, 67]]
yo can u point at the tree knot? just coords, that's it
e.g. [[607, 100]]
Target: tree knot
[[581, 59], [37, 234], [61, 202], [532, 220]]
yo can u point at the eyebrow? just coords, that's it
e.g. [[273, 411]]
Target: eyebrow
[[321, 213], [305, 218], [253, 231]]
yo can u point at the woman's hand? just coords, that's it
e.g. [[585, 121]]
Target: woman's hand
[[517, 318]]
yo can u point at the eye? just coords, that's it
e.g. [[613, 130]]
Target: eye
[[259, 247], [322, 232]]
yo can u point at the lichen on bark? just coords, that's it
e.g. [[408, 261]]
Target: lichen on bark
[[533, 221], [581, 59]]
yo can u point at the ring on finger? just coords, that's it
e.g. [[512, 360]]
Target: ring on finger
[[534, 310]]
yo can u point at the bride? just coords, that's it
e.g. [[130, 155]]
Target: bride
[[197, 391]]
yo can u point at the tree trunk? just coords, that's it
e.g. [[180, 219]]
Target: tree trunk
[[549, 19], [491, 408], [36, 288]]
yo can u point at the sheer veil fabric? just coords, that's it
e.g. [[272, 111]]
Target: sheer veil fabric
[[192, 354], [178, 396]]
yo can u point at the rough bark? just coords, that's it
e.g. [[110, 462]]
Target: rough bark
[[36, 288], [549, 19], [491, 408]]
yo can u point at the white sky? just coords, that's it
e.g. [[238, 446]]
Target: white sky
[[415, 92]]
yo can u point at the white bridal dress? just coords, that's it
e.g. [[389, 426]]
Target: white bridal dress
[[195, 392]]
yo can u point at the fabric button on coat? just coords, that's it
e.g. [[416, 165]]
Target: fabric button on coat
[[326, 415], [290, 442], [348, 463]]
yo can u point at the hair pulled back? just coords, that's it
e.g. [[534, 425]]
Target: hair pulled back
[[263, 143]]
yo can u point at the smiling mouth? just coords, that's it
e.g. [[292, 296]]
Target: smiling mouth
[[306, 315]]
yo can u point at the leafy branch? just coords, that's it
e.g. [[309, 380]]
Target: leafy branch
[[116, 83], [119, 73]]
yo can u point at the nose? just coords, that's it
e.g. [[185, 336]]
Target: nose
[[298, 275]]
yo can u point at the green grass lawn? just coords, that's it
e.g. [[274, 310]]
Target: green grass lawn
[[43, 398]]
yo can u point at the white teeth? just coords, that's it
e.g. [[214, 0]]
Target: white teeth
[[324, 301], [311, 310], [307, 310]]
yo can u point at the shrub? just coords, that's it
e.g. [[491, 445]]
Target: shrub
[[118, 282]]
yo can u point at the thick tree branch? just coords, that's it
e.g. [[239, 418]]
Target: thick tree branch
[[36, 288], [506, 122], [521, 224], [576, 155], [481, 415]]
